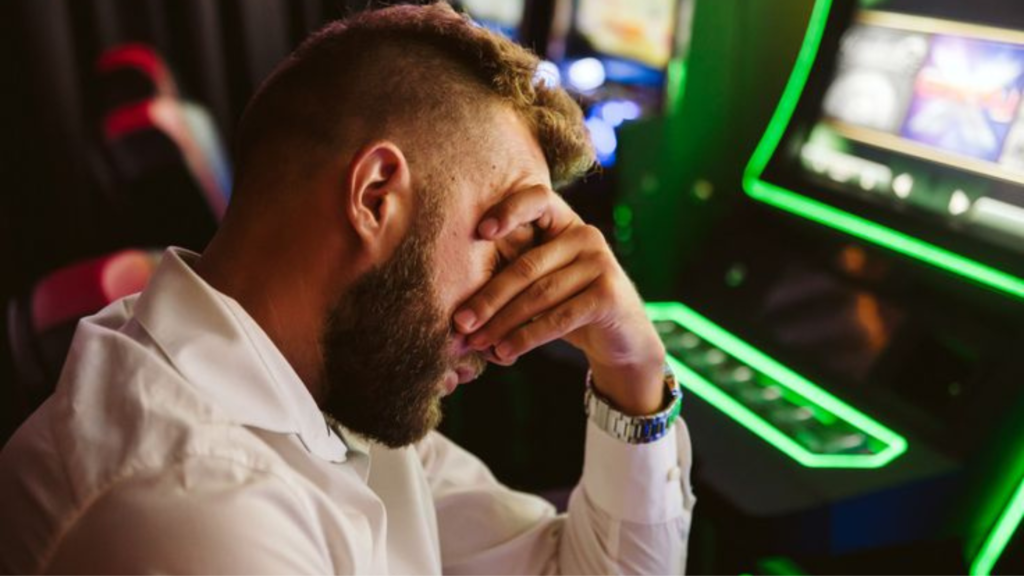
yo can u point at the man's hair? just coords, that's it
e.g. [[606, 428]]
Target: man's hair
[[419, 75]]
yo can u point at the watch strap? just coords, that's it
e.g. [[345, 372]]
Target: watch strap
[[634, 429]]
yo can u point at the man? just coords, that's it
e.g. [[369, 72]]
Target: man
[[392, 229]]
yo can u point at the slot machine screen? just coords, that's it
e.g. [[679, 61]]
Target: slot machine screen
[[503, 16], [914, 119], [637, 30]]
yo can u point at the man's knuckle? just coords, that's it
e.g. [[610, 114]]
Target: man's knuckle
[[487, 302], [527, 267], [542, 288], [606, 287], [606, 259], [594, 234], [563, 319], [579, 234]]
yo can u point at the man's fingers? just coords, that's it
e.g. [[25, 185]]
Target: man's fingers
[[538, 205], [520, 274], [489, 356], [544, 294], [550, 326]]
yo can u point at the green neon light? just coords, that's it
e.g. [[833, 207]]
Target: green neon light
[[675, 85], [835, 218], [892, 239], [779, 566], [994, 545], [893, 443], [791, 95]]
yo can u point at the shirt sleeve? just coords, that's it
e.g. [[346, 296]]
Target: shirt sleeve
[[236, 521], [630, 512]]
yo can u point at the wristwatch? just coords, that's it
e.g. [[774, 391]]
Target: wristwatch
[[634, 429]]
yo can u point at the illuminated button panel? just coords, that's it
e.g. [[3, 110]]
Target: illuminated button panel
[[789, 412]]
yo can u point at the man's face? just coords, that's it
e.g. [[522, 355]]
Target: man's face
[[390, 351]]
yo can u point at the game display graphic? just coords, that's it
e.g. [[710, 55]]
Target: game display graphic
[[966, 97], [504, 12], [638, 30], [875, 78], [927, 115], [1013, 149]]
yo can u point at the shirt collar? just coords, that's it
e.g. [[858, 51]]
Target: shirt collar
[[218, 348]]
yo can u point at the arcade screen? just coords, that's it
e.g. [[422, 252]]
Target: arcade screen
[[923, 115], [503, 16], [639, 30]]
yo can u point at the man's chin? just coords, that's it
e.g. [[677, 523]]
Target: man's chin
[[409, 434], [396, 425]]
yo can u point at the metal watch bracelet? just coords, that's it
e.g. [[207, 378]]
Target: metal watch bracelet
[[634, 429]]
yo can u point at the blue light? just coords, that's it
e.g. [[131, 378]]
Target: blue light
[[547, 74], [632, 73], [586, 74], [602, 135], [615, 112]]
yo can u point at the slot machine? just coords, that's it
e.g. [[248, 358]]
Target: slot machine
[[617, 57], [850, 329]]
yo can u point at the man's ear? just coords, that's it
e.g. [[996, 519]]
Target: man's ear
[[378, 199]]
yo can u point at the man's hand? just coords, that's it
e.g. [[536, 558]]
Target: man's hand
[[568, 286]]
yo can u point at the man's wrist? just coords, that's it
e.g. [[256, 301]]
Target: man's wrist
[[634, 390]]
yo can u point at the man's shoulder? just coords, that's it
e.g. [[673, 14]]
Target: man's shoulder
[[78, 485], [120, 416], [212, 511], [121, 405]]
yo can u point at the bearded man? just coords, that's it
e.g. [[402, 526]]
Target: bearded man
[[268, 407]]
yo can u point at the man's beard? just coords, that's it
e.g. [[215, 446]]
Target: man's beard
[[387, 346]]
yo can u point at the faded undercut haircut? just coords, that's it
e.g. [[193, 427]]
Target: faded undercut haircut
[[421, 76]]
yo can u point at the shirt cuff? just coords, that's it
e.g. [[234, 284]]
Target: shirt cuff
[[641, 483]]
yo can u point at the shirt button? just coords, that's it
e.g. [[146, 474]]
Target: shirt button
[[674, 473]]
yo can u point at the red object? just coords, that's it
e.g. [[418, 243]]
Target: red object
[[168, 116], [162, 114], [86, 287], [142, 58], [127, 119]]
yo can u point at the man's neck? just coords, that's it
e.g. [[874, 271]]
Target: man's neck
[[263, 279]]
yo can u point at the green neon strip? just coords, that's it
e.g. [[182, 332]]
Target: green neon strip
[[838, 219], [759, 361], [779, 566], [878, 234], [791, 95], [994, 545], [676, 85]]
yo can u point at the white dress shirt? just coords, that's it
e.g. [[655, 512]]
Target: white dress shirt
[[179, 439]]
